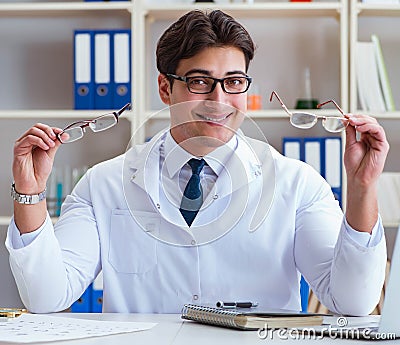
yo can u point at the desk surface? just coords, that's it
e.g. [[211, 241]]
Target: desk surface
[[172, 330]]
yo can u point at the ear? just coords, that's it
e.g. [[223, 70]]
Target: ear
[[164, 89]]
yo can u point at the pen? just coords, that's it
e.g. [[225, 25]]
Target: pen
[[221, 304]]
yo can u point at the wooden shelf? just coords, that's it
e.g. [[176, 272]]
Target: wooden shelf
[[62, 8], [255, 114], [384, 10], [256, 10], [55, 114]]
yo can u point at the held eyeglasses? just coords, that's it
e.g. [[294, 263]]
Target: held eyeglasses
[[303, 120], [203, 84], [76, 130]]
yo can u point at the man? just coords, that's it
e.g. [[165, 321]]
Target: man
[[257, 222]]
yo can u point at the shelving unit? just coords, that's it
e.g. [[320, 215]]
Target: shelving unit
[[36, 62], [384, 21], [366, 19], [36, 59], [267, 15], [285, 34]]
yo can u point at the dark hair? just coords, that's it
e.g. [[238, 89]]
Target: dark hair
[[197, 30]]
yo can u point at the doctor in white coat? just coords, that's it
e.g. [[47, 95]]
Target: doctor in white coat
[[264, 219]]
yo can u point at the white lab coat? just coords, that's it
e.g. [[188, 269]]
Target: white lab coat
[[119, 220]]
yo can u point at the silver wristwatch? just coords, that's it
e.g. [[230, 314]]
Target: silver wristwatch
[[27, 199]]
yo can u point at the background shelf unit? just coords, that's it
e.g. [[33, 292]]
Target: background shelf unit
[[36, 64], [384, 21], [36, 59]]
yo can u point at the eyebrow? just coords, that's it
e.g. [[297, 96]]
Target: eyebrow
[[205, 72]]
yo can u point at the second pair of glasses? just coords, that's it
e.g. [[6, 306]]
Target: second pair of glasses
[[333, 124]]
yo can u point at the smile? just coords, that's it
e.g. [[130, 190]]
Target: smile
[[213, 119]]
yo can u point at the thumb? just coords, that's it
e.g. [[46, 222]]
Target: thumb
[[51, 152], [351, 136]]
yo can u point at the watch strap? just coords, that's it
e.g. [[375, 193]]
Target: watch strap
[[27, 199]]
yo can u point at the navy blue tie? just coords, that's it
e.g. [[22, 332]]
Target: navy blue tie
[[193, 194]]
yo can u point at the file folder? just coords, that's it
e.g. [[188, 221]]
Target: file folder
[[102, 70], [83, 304], [97, 294], [83, 69], [333, 166], [293, 148], [313, 154], [324, 154], [304, 293], [121, 72]]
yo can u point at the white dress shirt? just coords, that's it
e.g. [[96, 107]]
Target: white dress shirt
[[265, 220]]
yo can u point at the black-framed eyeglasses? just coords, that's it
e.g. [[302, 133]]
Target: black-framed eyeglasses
[[303, 120], [76, 130], [203, 85]]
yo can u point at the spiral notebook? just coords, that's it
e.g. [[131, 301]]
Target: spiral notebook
[[249, 320]]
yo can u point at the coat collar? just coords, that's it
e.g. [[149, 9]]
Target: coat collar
[[243, 166], [251, 160]]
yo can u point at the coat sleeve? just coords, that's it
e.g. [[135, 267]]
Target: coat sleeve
[[346, 275], [58, 265]]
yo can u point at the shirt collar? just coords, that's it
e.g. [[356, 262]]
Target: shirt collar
[[175, 157]]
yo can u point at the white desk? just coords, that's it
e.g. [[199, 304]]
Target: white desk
[[172, 330]]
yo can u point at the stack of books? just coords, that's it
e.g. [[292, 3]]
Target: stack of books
[[373, 85]]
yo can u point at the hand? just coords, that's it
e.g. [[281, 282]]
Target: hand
[[33, 160], [364, 159]]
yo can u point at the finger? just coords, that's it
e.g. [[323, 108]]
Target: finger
[[43, 132], [27, 143], [43, 128], [52, 151], [50, 131], [368, 125], [37, 125], [372, 129], [358, 119]]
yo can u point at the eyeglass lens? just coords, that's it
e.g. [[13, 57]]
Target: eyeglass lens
[[335, 124], [303, 120], [71, 134], [206, 84], [332, 124], [104, 122]]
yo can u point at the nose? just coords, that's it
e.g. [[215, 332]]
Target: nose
[[218, 94]]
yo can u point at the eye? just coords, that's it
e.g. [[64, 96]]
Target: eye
[[198, 81], [235, 81]]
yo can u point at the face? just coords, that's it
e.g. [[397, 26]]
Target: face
[[202, 122]]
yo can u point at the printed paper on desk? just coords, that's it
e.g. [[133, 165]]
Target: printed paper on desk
[[30, 328]]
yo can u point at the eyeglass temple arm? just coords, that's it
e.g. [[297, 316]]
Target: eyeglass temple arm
[[280, 101], [84, 123], [331, 101], [127, 106]]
